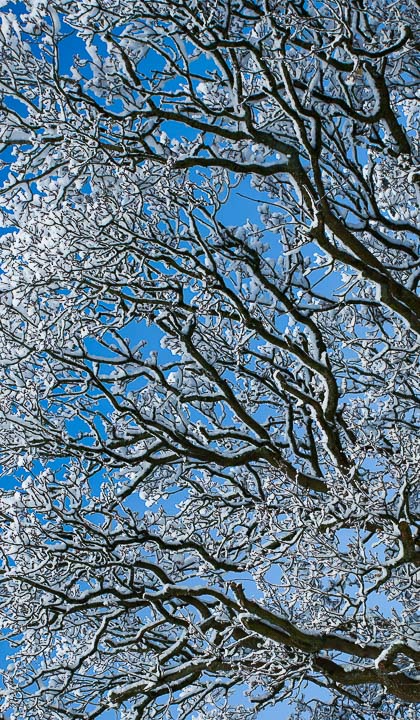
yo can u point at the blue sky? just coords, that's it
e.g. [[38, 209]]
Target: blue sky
[[242, 206]]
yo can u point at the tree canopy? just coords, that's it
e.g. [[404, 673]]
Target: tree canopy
[[208, 367]]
